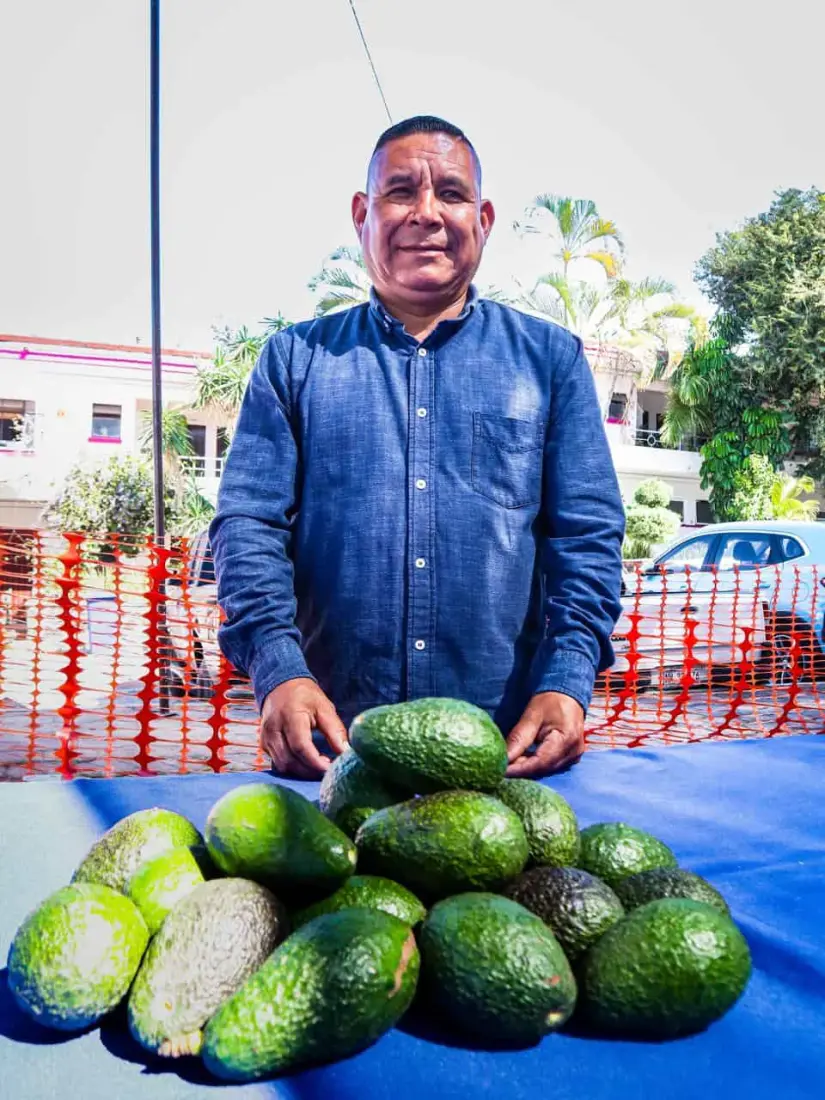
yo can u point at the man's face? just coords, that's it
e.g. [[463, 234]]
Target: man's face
[[422, 226]]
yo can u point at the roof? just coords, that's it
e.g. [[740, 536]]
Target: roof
[[139, 349]]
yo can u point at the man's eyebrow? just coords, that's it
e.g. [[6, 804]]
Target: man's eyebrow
[[397, 177]]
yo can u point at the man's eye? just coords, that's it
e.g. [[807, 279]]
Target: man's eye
[[400, 192], [452, 195]]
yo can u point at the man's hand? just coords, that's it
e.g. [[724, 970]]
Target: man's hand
[[290, 713], [554, 723]]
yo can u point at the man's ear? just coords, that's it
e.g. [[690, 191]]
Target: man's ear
[[359, 211], [488, 217]]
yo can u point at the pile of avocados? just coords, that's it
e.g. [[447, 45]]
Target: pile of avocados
[[291, 934]]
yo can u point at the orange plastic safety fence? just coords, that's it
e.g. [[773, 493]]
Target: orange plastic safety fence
[[109, 661]]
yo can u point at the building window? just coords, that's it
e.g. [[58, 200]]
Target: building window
[[106, 422], [703, 512], [677, 506], [618, 408], [196, 463], [221, 448], [16, 424]]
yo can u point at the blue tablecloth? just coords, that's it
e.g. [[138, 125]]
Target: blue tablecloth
[[750, 816]]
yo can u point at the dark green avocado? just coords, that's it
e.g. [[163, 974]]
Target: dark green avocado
[[350, 792], [431, 744]]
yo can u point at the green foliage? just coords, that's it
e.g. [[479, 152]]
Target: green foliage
[[115, 498], [785, 503], [752, 489], [342, 281], [222, 384], [648, 519], [653, 493]]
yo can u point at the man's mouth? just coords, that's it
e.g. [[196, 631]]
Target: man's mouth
[[422, 248]]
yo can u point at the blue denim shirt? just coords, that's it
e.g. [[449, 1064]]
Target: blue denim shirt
[[399, 520]]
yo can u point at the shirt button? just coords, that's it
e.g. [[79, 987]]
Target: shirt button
[[422, 412], [420, 563], [421, 483], [422, 352], [419, 644]]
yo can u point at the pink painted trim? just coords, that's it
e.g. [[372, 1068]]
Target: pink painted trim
[[12, 451], [104, 439], [141, 364]]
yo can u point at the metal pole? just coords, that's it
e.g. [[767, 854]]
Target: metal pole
[[154, 184]]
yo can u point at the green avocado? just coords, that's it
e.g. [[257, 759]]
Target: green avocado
[[548, 819], [444, 844], [668, 882], [271, 834], [668, 968], [431, 744], [578, 907], [133, 840], [614, 851], [350, 792], [494, 969], [207, 947], [73, 958], [160, 883], [339, 983], [367, 892]]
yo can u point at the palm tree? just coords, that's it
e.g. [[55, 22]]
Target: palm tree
[[577, 231], [340, 287], [785, 502], [643, 314], [222, 384], [176, 443]]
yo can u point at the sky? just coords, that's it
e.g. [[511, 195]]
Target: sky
[[679, 121]]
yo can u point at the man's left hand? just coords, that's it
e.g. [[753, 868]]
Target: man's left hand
[[554, 723]]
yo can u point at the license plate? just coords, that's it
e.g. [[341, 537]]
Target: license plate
[[672, 677]]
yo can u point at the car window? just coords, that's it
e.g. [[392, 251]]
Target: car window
[[692, 554], [788, 548], [745, 551]]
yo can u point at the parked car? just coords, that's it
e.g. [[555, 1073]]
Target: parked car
[[751, 592]]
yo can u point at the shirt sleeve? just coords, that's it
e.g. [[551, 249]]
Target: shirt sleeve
[[580, 552], [251, 532]]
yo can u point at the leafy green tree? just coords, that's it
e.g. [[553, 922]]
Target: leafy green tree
[[649, 521], [752, 493], [115, 498], [767, 280]]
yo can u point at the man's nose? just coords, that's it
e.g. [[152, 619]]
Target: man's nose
[[426, 206]]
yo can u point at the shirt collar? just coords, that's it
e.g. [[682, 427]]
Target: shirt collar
[[388, 322]]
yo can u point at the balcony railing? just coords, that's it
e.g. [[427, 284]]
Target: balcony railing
[[201, 468], [652, 437]]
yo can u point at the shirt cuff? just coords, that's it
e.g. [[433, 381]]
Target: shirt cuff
[[568, 672], [280, 659]]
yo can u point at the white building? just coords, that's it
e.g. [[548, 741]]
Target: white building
[[63, 401]]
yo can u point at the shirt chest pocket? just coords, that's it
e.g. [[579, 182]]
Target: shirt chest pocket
[[507, 459]]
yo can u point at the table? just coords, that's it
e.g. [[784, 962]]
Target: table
[[748, 815]]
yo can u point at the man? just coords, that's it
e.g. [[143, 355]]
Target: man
[[419, 499]]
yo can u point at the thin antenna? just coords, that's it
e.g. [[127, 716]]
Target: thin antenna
[[369, 58]]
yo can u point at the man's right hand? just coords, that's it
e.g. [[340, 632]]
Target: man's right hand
[[290, 713]]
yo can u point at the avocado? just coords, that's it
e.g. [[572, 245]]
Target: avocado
[[668, 968], [577, 906], [444, 844], [494, 969], [667, 882], [548, 819], [160, 883], [432, 744], [339, 982], [205, 950], [74, 957], [367, 892], [114, 858], [274, 836], [614, 851], [350, 792]]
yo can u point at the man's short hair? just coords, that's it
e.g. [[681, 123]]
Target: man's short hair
[[425, 124]]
